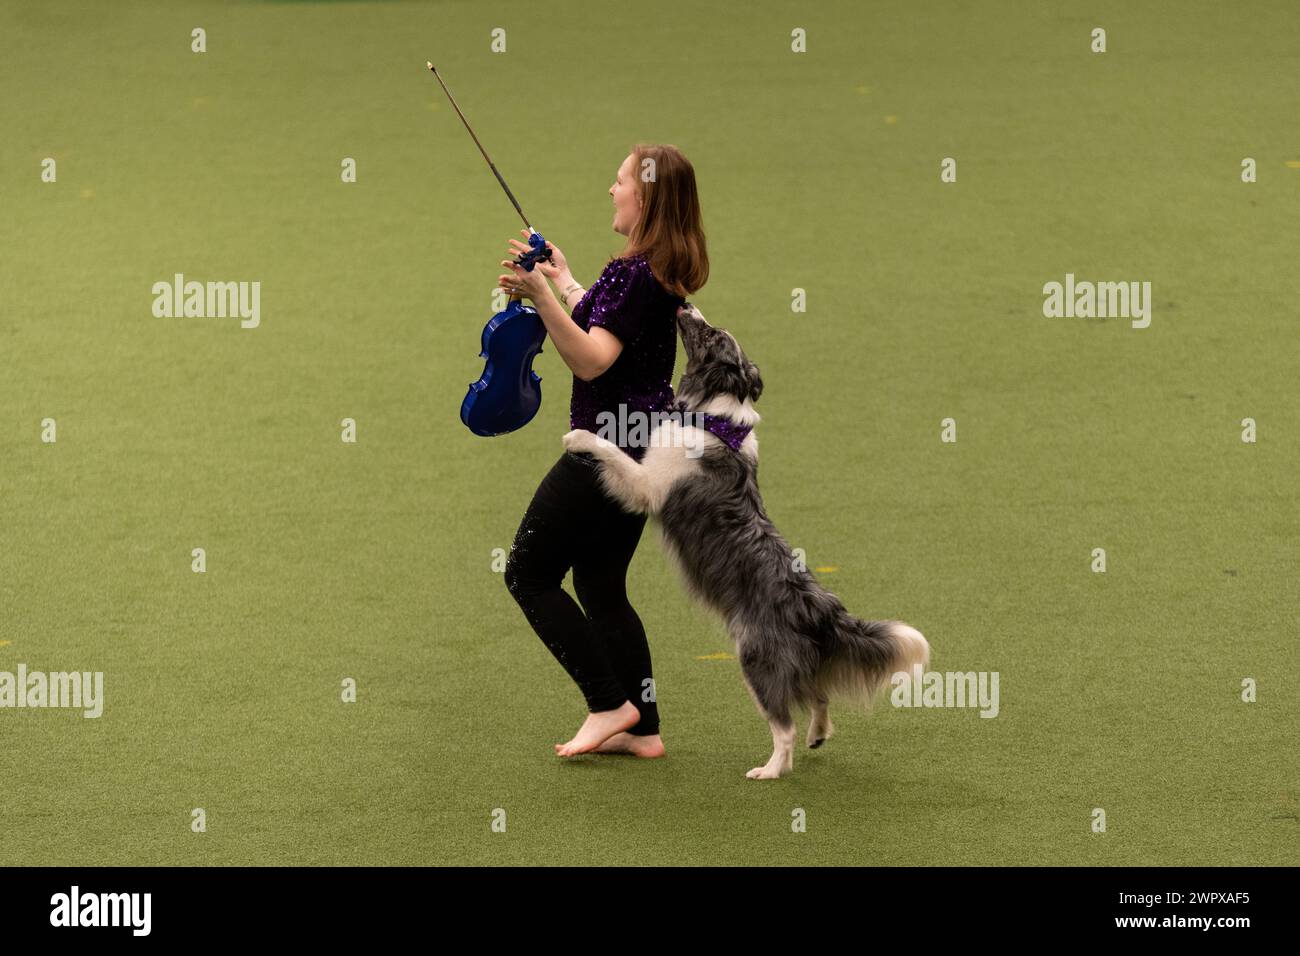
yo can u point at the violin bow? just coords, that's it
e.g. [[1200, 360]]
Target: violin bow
[[539, 250]]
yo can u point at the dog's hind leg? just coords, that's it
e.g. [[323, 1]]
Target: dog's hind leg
[[820, 727], [783, 730], [782, 759]]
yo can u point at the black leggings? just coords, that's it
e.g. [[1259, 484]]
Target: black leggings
[[571, 523]]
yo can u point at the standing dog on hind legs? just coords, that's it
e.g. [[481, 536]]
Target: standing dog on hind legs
[[796, 644]]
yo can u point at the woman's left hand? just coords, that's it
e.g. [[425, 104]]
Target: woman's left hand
[[531, 285]]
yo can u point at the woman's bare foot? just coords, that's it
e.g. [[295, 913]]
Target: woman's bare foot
[[647, 746], [598, 728]]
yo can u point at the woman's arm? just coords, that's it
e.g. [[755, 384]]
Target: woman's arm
[[588, 354], [563, 281]]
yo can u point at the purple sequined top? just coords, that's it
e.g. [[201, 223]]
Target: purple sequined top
[[628, 301]]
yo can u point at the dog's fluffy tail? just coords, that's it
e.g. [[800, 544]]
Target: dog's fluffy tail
[[864, 655]]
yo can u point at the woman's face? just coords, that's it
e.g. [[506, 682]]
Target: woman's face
[[627, 203]]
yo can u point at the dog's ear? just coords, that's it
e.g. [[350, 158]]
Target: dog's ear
[[755, 381]]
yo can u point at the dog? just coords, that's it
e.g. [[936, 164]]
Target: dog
[[796, 644]]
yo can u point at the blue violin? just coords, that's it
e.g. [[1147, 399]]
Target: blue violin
[[508, 393]]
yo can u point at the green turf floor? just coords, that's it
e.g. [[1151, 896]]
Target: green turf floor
[[817, 171]]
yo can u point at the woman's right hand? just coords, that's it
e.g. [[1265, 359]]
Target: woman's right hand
[[553, 270]]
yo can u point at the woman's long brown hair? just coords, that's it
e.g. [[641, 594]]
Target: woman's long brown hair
[[669, 232]]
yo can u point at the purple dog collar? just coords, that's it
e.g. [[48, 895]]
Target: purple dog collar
[[732, 433]]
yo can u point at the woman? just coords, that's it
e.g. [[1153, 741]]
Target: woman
[[621, 344]]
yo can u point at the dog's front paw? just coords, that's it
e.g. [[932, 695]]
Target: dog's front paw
[[764, 773], [580, 440]]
